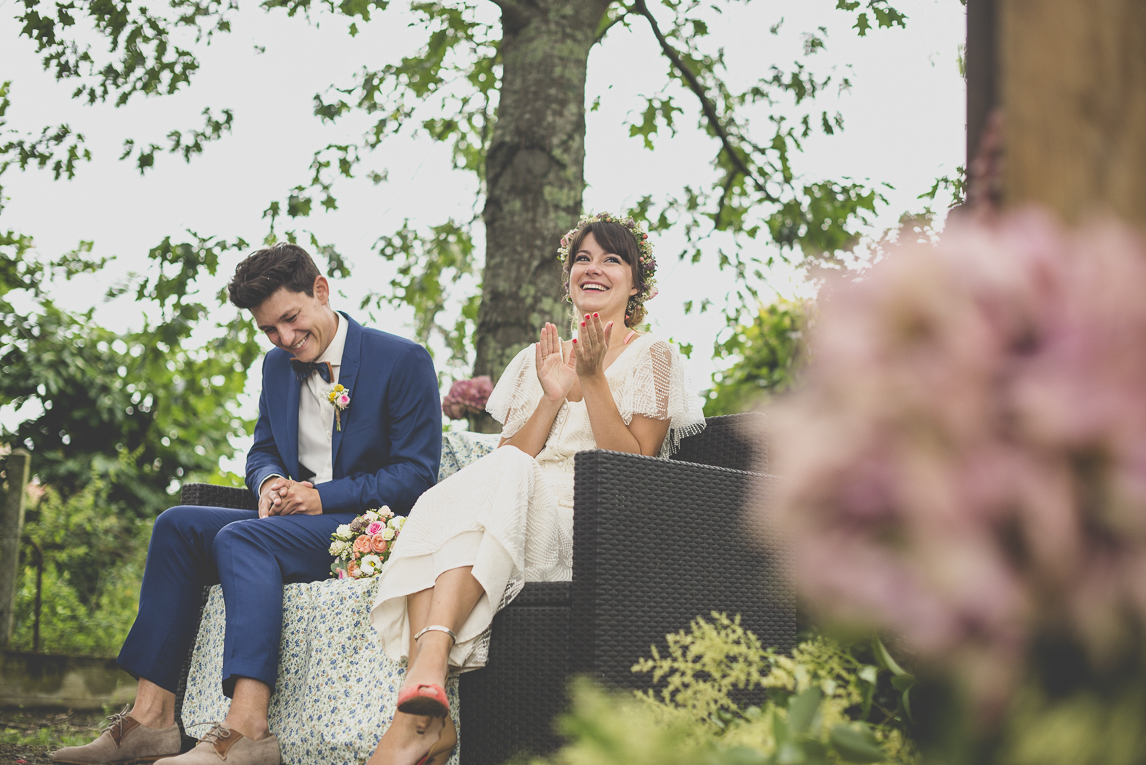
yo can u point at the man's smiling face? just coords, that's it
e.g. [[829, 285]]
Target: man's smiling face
[[300, 324]]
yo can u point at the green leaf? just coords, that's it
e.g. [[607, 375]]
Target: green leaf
[[802, 709], [902, 682], [741, 755], [779, 728], [884, 658], [790, 753], [868, 676], [856, 745]]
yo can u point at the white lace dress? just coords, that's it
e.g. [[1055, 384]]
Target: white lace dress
[[510, 516]]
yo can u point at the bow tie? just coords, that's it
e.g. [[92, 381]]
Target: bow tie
[[304, 369]]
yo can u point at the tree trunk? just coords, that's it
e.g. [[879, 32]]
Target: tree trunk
[[1074, 97], [535, 172], [12, 502]]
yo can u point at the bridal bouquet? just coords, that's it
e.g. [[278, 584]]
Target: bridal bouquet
[[363, 545]]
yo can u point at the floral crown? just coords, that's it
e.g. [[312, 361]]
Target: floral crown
[[646, 263]]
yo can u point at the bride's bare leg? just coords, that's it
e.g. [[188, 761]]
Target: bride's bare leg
[[455, 593], [409, 737], [448, 603], [418, 611]]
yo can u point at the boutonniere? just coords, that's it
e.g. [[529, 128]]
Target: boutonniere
[[339, 398]]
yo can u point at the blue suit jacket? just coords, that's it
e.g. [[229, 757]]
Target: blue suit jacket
[[388, 450]]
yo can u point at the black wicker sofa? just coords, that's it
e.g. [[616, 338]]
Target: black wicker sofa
[[656, 544]]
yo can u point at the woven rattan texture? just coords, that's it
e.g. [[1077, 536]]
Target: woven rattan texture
[[543, 594], [735, 441], [657, 544], [209, 495], [509, 707]]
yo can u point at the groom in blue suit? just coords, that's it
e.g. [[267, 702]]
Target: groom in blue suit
[[314, 465]]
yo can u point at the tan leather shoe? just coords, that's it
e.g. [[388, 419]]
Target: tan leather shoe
[[221, 744], [125, 739]]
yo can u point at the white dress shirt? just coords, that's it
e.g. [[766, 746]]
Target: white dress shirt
[[316, 413]]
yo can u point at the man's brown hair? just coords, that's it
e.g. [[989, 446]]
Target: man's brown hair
[[262, 273]]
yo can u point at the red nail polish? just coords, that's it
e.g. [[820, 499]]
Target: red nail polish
[[582, 324], [596, 316]]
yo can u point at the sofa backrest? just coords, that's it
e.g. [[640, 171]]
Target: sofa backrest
[[736, 441]]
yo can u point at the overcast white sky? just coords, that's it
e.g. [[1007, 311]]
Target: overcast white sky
[[904, 125]]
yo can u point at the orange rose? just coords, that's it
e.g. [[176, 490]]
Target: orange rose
[[352, 569], [378, 544], [362, 544]]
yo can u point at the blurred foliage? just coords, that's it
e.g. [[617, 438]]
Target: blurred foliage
[[822, 704], [88, 395], [113, 422], [953, 191], [86, 565], [766, 357]]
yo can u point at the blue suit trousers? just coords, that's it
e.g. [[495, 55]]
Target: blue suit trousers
[[252, 558]]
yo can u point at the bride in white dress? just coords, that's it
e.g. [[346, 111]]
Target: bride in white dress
[[472, 541]]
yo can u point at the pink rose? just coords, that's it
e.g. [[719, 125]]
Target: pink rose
[[343, 400], [341, 574], [378, 544], [353, 570], [362, 544], [375, 528]]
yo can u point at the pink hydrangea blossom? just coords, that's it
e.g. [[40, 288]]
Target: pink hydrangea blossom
[[467, 397], [965, 465]]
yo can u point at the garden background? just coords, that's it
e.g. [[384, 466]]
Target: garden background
[[806, 131]]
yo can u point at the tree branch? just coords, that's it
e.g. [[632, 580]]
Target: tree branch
[[706, 104], [610, 25]]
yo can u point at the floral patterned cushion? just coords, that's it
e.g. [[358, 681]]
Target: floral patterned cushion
[[460, 448], [336, 690]]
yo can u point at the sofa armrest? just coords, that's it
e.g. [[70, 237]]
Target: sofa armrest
[[657, 543], [210, 495]]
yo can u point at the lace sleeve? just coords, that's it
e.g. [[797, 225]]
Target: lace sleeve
[[516, 394], [658, 387]]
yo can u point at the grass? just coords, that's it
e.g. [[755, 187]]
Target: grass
[[48, 730]]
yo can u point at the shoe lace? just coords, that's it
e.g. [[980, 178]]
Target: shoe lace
[[117, 720], [217, 733]]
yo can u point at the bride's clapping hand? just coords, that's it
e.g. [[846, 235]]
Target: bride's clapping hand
[[592, 346], [554, 372]]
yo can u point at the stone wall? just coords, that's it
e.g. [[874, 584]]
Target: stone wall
[[71, 682]]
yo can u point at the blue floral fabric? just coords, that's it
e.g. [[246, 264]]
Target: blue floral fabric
[[460, 448]]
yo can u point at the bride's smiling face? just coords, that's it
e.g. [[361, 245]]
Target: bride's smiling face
[[599, 281]]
